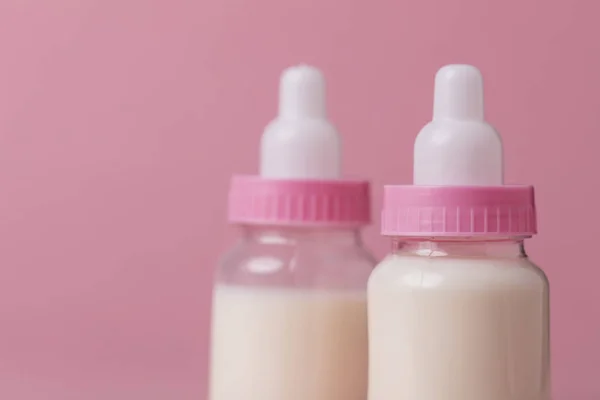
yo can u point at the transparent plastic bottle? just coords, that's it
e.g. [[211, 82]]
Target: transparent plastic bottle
[[470, 321], [457, 311], [291, 316], [289, 305]]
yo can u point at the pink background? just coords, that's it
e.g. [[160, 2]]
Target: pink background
[[121, 122]]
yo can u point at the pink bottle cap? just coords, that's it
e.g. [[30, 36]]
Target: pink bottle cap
[[458, 211], [319, 203]]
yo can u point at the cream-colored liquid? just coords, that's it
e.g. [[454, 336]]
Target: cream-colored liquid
[[458, 329], [271, 344]]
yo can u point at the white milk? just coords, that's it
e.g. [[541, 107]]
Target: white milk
[[277, 344], [443, 328]]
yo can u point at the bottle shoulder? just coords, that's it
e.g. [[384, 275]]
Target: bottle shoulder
[[412, 271], [305, 265]]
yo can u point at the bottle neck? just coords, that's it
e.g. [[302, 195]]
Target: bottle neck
[[461, 247], [291, 236]]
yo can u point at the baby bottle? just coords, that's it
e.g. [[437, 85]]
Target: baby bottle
[[289, 305], [457, 311]]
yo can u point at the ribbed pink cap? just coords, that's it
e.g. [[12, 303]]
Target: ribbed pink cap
[[323, 203], [458, 211]]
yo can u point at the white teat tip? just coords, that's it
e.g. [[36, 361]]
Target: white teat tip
[[302, 93], [458, 93]]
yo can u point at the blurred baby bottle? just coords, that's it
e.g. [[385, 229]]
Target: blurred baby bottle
[[289, 303]]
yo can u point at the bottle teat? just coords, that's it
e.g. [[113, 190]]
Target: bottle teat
[[301, 143], [458, 148]]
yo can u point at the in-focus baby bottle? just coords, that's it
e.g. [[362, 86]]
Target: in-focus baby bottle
[[458, 311], [289, 305]]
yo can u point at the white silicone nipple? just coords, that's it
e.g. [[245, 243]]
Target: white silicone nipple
[[458, 148], [301, 143]]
